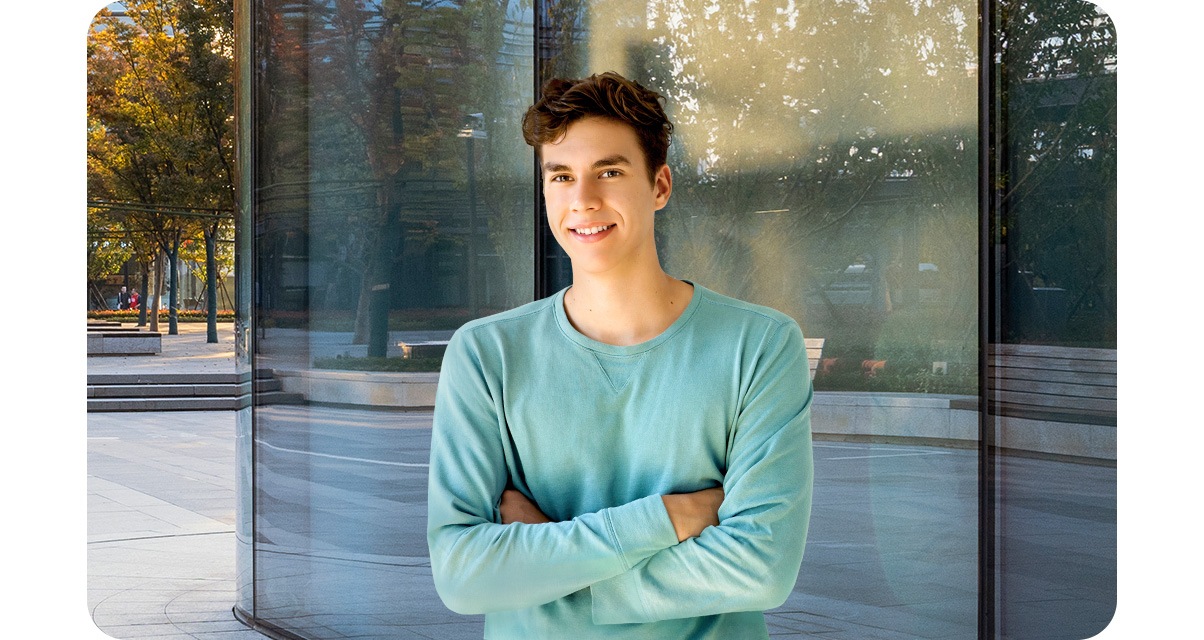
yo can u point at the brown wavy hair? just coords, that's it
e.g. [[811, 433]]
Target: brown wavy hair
[[604, 95]]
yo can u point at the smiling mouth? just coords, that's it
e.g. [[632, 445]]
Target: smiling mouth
[[589, 231]]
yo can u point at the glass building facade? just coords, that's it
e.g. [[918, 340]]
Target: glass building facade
[[927, 186]]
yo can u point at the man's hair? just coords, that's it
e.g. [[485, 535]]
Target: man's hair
[[606, 95]]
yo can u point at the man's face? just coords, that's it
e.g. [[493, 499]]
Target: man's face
[[600, 202]]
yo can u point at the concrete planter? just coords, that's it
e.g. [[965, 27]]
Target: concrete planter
[[361, 388], [922, 419], [113, 343], [894, 415]]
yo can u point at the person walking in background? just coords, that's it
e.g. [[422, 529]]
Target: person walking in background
[[134, 300], [123, 299]]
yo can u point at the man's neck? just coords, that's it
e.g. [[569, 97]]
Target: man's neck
[[626, 310]]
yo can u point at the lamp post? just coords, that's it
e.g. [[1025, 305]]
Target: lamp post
[[473, 129]]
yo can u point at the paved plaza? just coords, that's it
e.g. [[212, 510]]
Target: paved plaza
[[340, 547]]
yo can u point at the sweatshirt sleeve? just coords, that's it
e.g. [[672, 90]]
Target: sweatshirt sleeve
[[480, 566], [751, 560]]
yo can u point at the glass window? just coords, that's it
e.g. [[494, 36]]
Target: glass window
[[1052, 379], [825, 164], [391, 202]]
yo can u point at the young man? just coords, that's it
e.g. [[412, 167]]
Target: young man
[[630, 457]]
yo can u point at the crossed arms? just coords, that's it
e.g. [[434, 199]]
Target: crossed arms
[[732, 548], [690, 513]]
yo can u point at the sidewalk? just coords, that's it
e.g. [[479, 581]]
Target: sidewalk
[[161, 505], [184, 353]]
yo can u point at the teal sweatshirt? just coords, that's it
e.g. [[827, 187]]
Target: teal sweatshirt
[[594, 434]]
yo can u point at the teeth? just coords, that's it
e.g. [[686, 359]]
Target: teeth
[[592, 230]]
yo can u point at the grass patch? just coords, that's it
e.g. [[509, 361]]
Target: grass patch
[[347, 363]]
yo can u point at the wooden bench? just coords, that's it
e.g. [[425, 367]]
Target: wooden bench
[[815, 351], [423, 349], [1053, 384]]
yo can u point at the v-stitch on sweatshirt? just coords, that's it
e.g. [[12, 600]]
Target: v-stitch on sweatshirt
[[594, 434]]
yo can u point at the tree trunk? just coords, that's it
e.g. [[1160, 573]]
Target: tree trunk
[[156, 299], [363, 306], [211, 285], [173, 294], [146, 293]]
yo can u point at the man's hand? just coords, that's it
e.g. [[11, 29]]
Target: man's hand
[[515, 507], [693, 512]]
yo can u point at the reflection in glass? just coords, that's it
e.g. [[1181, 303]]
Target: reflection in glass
[[825, 164], [1052, 379], [392, 202]]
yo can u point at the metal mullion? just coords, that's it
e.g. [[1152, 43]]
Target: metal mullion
[[990, 148]]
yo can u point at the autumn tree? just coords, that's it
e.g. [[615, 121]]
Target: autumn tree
[[160, 138]]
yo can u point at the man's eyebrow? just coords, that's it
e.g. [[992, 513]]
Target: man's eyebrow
[[608, 161], [611, 160]]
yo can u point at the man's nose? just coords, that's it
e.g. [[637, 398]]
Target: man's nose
[[585, 196]]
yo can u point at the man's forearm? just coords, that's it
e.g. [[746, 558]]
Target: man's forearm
[[477, 562], [690, 513], [516, 507]]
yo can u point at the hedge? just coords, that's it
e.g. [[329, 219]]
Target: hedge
[[346, 363], [182, 315]]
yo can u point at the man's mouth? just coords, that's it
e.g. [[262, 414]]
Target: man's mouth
[[589, 231]]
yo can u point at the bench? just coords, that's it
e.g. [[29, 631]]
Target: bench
[[1055, 384], [423, 349], [116, 329], [124, 343], [815, 351]]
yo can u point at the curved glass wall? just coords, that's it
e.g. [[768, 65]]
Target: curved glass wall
[[1051, 377], [828, 161], [825, 164], [391, 202]]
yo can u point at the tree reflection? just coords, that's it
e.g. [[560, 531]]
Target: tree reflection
[[361, 104], [818, 143], [1058, 185]]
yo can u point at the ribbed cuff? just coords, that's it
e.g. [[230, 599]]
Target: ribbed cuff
[[618, 600], [640, 528]]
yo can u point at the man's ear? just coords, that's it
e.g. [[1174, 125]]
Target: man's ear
[[662, 186]]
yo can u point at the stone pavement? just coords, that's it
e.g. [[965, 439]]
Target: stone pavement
[[161, 505], [161, 525], [186, 352]]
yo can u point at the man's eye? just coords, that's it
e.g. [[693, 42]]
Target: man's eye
[[611, 173], [559, 178]]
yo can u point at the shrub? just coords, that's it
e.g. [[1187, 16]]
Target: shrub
[[182, 315], [347, 363]]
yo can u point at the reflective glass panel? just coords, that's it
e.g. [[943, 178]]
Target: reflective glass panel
[[391, 202], [243, 320], [1052, 376], [825, 164]]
